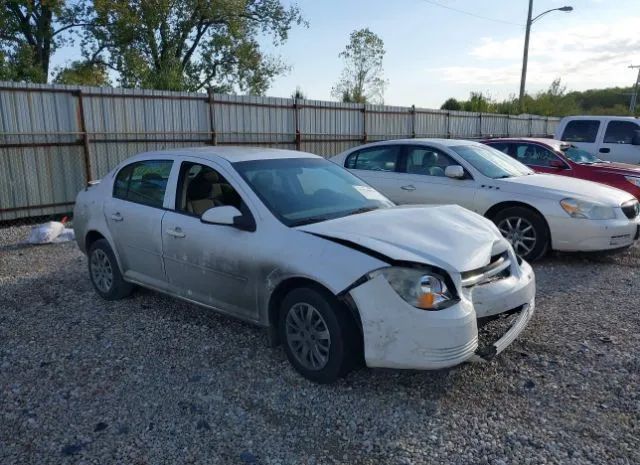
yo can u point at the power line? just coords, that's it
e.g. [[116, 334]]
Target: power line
[[469, 13]]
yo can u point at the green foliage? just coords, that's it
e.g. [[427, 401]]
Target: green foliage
[[362, 78], [30, 32], [83, 73], [451, 104], [188, 44], [555, 101]]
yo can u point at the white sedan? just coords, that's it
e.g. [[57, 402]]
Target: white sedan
[[296, 244], [534, 212]]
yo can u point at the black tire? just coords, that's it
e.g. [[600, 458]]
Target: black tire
[[102, 262], [528, 218], [343, 349]]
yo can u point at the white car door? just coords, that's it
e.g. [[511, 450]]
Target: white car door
[[209, 263], [378, 166], [422, 179], [617, 143], [134, 213]]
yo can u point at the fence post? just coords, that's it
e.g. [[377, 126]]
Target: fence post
[[412, 110], [530, 126], [296, 112], [212, 117], [82, 124], [448, 125], [364, 123], [480, 124]]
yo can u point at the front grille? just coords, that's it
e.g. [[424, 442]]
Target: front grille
[[631, 209], [498, 268]]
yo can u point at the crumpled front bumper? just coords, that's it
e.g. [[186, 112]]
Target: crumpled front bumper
[[398, 335]]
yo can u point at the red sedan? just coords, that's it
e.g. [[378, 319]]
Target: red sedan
[[557, 157]]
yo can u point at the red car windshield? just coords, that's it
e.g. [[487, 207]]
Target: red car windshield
[[577, 155]]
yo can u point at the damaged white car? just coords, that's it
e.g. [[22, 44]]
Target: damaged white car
[[297, 244]]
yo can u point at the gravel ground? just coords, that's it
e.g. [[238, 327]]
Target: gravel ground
[[152, 380]]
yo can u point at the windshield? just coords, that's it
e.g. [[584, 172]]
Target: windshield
[[577, 155], [308, 190], [491, 162]]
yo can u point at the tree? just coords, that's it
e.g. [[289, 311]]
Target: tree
[[451, 104], [84, 73], [188, 44], [362, 78], [30, 32]]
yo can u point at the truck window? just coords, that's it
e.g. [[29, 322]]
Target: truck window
[[581, 130], [620, 132]]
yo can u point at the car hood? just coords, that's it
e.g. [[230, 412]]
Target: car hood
[[623, 169], [447, 236], [552, 186]]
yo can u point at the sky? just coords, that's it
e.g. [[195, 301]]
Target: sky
[[433, 53]]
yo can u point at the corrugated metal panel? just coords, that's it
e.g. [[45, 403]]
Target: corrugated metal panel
[[42, 151]]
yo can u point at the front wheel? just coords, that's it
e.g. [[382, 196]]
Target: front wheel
[[318, 335], [526, 230]]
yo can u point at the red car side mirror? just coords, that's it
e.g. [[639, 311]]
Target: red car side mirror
[[559, 164]]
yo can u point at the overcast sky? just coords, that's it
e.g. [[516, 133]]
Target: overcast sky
[[434, 53]]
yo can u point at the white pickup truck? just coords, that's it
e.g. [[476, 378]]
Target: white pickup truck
[[614, 138]]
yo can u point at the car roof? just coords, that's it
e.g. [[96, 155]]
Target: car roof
[[620, 118], [554, 143], [418, 141], [230, 153]]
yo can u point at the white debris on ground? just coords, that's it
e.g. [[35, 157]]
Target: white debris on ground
[[51, 232]]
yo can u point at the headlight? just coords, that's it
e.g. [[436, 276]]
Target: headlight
[[582, 209], [633, 180], [418, 287]]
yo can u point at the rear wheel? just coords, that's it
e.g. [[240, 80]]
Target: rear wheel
[[105, 274], [319, 336], [526, 230]]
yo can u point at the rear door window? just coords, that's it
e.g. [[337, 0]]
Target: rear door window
[[581, 130], [143, 182], [620, 132], [532, 154], [384, 158]]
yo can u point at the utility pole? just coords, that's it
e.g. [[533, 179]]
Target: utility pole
[[634, 96], [525, 55]]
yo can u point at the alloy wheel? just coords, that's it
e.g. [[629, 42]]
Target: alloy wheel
[[101, 271], [308, 336], [520, 233]]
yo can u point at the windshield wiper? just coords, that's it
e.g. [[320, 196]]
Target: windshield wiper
[[310, 220], [361, 210]]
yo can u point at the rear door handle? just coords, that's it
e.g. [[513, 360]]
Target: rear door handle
[[117, 217], [177, 232], [410, 187], [604, 150]]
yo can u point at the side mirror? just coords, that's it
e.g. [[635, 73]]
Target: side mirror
[[454, 172], [635, 140], [220, 215], [558, 164]]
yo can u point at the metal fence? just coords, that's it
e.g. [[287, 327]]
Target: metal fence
[[54, 138]]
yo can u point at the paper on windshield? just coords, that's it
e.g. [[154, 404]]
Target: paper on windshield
[[370, 193]]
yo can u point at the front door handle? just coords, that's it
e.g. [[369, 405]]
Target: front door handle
[[604, 150], [177, 232], [410, 187], [117, 217]]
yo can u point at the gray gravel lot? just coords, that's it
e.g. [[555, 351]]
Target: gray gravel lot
[[152, 380]]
